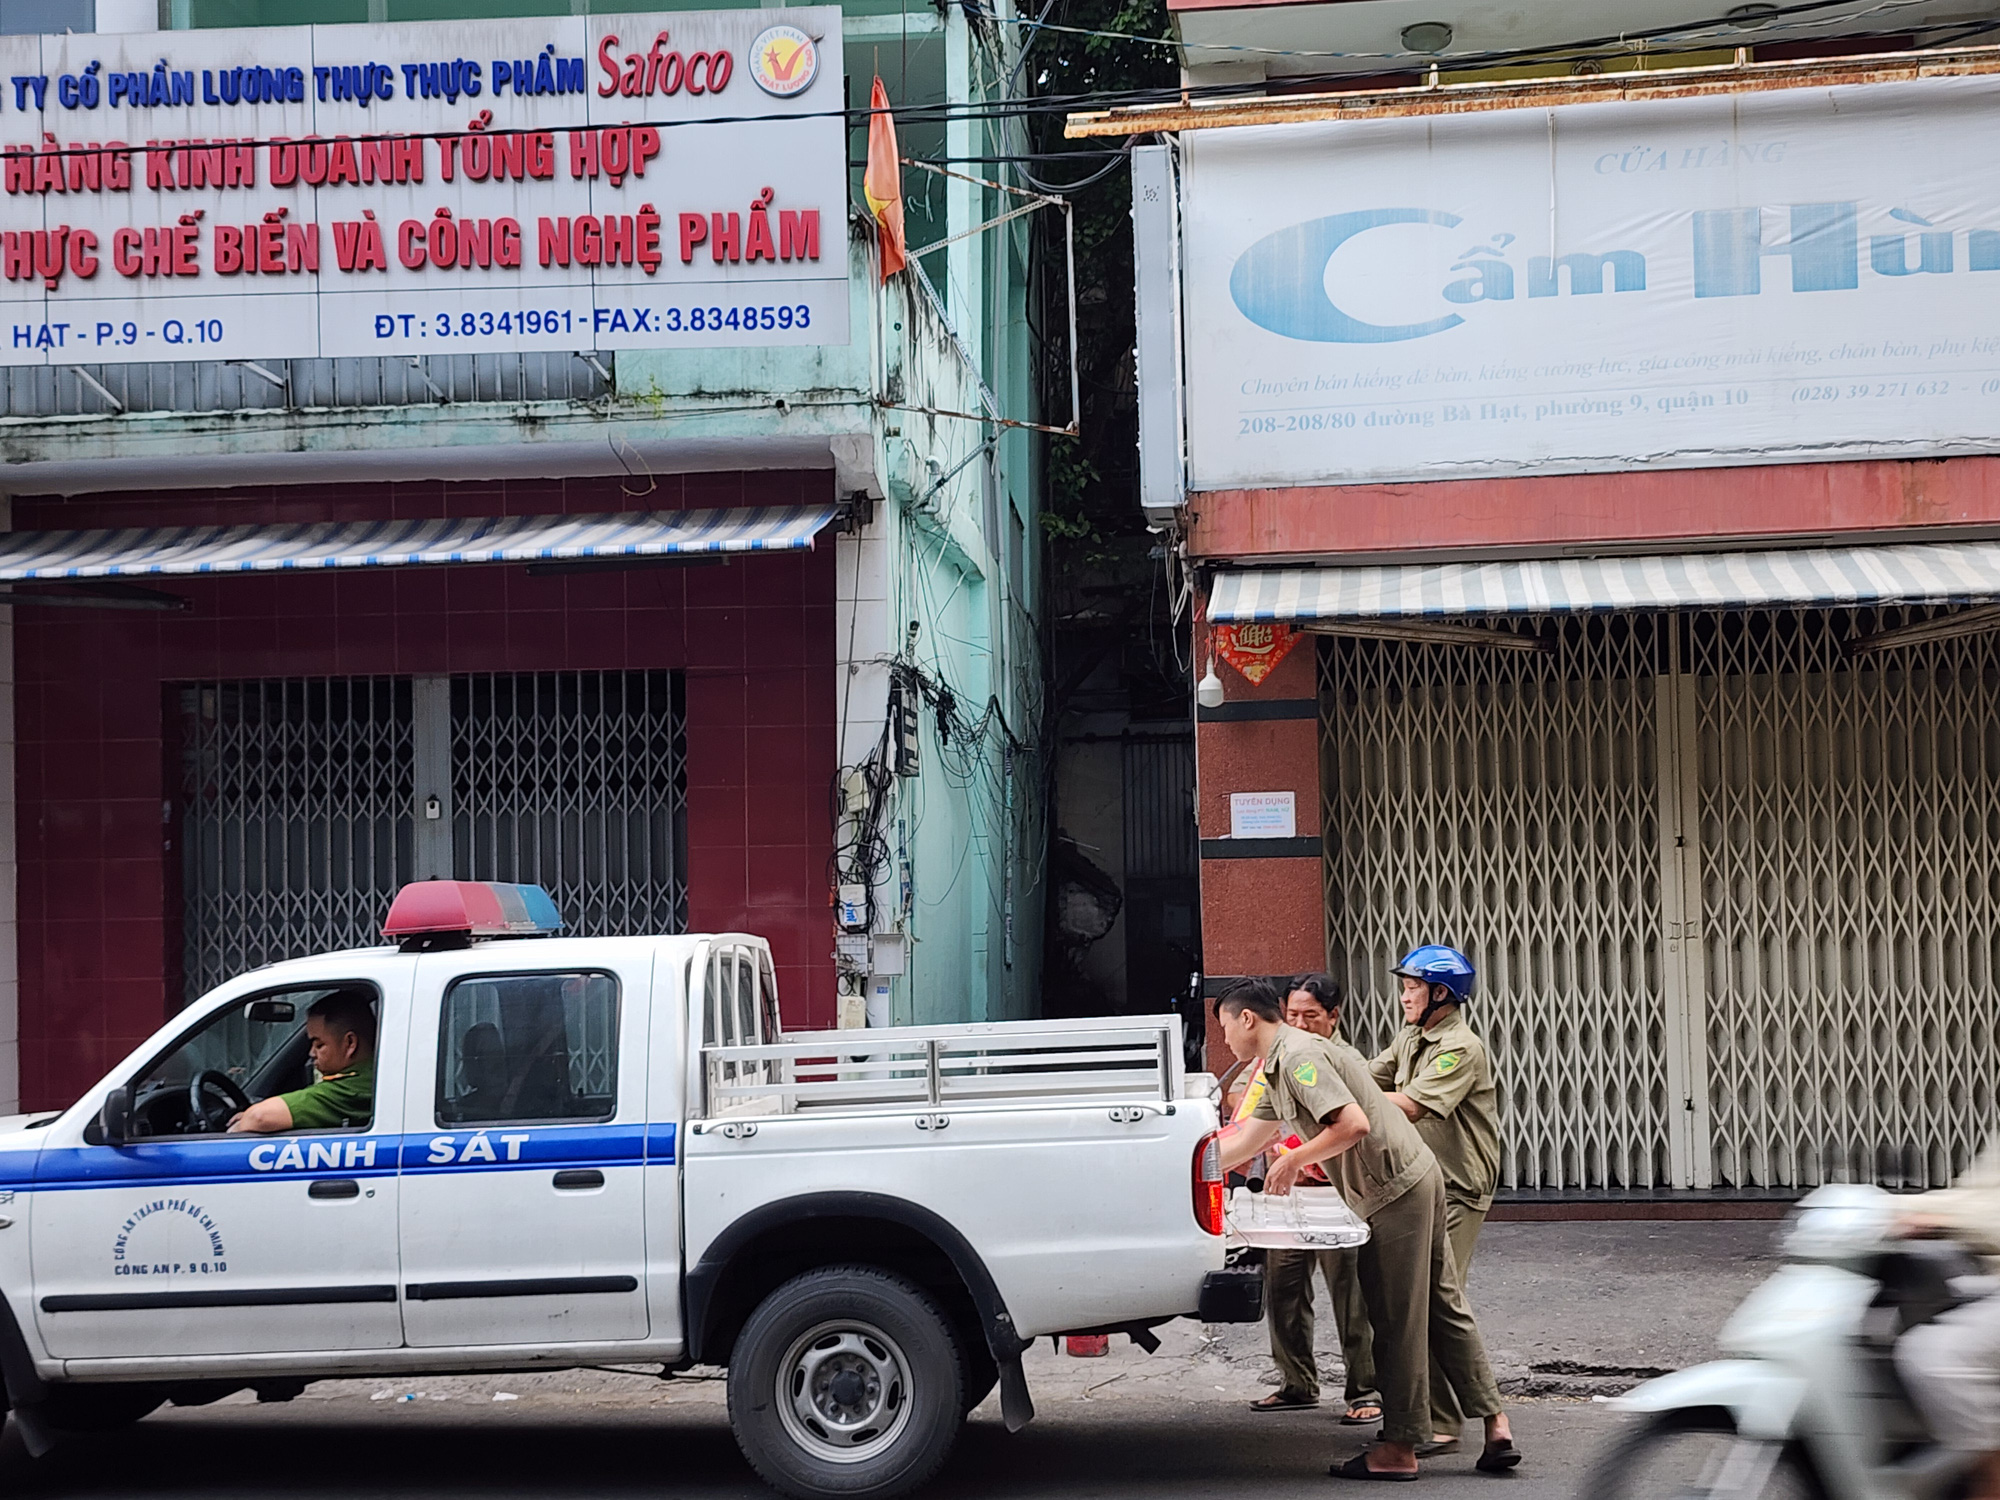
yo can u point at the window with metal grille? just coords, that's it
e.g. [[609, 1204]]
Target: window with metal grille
[[298, 813], [294, 818], [1504, 802], [1728, 882], [575, 781]]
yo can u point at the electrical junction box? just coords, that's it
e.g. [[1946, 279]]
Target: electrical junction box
[[853, 904], [887, 959]]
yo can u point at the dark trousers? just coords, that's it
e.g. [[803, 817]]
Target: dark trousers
[[1417, 1310], [1462, 1224], [1288, 1299]]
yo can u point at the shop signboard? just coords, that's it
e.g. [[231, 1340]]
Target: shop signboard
[[1763, 277], [607, 182]]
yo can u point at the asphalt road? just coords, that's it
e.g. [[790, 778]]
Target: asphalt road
[[338, 1446], [1567, 1298]]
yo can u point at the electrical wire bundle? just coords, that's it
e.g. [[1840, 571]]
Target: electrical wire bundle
[[974, 752]]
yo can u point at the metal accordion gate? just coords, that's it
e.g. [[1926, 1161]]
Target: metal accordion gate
[[304, 803], [1733, 887]]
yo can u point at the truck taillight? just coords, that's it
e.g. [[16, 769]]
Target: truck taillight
[[1207, 1176]]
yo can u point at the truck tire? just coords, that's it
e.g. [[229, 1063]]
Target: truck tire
[[846, 1383]]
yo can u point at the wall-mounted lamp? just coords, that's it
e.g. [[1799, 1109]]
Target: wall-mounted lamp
[[1208, 692]]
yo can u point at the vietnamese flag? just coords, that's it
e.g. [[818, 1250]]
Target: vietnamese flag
[[882, 184]]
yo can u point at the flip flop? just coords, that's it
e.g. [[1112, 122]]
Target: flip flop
[[1361, 1412], [1285, 1401], [1500, 1457], [1357, 1468], [1436, 1446]]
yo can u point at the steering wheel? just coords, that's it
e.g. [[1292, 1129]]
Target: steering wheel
[[204, 1089]]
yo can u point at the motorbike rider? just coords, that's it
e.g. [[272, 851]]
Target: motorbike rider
[[1951, 1365]]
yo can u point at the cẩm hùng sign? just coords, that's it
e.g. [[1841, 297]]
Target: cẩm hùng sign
[[570, 183], [1763, 277]]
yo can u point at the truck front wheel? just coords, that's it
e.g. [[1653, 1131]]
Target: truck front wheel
[[845, 1383]]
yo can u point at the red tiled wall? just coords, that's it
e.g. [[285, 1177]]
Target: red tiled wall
[[1260, 916], [755, 639]]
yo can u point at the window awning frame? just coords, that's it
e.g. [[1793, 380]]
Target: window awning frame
[[208, 551], [1836, 577]]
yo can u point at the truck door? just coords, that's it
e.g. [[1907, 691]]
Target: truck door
[[523, 1186], [187, 1240]]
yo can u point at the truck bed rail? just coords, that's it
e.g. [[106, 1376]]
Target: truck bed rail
[[924, 1067]]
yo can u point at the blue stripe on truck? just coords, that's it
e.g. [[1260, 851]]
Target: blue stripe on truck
[[251, 1158]]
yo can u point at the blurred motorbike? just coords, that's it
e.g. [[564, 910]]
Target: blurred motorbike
[[1807, 1405]]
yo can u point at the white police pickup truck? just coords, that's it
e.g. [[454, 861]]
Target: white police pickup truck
[[591, 1150]]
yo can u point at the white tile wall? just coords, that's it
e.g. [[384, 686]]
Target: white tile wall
[[861, 684], [861, 639]]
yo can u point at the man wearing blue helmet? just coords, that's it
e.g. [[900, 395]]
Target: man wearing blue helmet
[[1439, 1075]]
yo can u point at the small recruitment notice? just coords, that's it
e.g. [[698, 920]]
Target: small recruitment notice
[[674, 180]]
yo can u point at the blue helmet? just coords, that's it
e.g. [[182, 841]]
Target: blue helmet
[[1435, 964]]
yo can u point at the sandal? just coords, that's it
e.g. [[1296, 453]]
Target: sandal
[[1285, 1401], [1357, 1468], [1437, 1446], [1362, 1411], [1500, 1457]]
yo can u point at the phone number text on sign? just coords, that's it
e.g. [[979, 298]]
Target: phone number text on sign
[[417, 323], [614, 320]]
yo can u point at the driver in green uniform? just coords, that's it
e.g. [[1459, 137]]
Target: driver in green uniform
[[341, 1030]]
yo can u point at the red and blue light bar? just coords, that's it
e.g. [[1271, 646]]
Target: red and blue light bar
[[474, 908]]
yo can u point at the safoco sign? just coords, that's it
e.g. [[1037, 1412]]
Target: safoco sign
[[1597, 287], [573, 183]]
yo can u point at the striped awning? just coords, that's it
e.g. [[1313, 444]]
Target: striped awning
[[1924, 573], [178, 550]]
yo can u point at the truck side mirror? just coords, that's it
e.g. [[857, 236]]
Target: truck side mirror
[[115, 1115]]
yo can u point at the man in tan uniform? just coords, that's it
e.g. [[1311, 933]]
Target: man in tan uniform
[[1439, 1075], [1313, 1005], [1321, 1090]]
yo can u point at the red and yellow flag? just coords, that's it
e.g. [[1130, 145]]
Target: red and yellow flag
[[882, 184]]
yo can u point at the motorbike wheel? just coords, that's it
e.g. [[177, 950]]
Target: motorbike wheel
[[1695, 1456]]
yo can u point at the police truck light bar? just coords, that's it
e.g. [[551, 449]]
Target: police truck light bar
[[470, 908]]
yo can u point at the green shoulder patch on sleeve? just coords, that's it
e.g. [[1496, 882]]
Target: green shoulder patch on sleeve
[[1447, 1061], [1306, 1073]]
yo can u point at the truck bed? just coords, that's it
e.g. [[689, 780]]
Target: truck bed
[[1131, 1059]]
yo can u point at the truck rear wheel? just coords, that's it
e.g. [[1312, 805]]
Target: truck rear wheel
[[845, 1382]]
